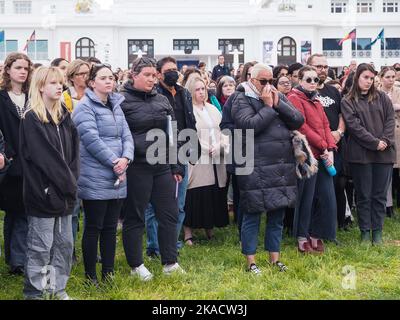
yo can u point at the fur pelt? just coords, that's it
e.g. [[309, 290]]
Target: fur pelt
[[306, 164]]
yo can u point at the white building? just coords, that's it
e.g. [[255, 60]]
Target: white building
[[272, 31]]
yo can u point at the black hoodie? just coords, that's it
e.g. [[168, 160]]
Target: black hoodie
[[50, 164], [145, 111]]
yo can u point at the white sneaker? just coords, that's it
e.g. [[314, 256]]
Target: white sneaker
[[142, 272], [173, 268], [254, 269]]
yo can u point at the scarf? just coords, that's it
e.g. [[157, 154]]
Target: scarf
[[312, 95], [250, 90]]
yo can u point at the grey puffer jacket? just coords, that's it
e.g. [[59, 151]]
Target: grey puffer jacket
[[104, 137], [272, 185]]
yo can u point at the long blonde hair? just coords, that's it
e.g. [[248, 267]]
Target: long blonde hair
[[191, 83], [39, 79]]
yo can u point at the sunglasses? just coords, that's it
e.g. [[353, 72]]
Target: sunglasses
[[264, 82], [310, 80], [96, 67], [397, 69]]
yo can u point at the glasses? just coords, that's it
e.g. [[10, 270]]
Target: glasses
[[310, 80], [320, 67], [264, 82], [284, 83], [81, 74]]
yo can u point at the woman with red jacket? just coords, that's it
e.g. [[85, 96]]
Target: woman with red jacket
[[315, 215]]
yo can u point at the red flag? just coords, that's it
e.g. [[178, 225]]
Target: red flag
[[31, 38], [351, 35]]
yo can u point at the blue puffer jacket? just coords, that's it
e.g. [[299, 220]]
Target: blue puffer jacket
[[104, 136]]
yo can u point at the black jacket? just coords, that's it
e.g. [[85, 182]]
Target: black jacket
[[50, 163], [272, 184], [11, 186], [145, 111], [184, 98], [219, 71], [6, 161]]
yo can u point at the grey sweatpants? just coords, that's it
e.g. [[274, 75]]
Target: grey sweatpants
[[49, 256]]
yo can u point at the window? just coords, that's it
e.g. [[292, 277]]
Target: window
[[227, 46], [363, 48], [391, 6], [2, 7], [339, 6], [38, 50], [391, 44], [8, 47], [331, 48], [144, 47], [362, 44], [84, 48], [182, 44], [287, 51], [22, 7], [391, 48], [364, 6]]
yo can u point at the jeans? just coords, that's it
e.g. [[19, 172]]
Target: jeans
[[324, 213], [101, 219], [273, 231], [151, 221], [371, 182], [316, 213], [304, 206]]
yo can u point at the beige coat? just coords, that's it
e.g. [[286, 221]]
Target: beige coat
[[394, 95], [202, 173]]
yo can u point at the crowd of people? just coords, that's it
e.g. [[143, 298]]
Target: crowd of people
[[79, 137]]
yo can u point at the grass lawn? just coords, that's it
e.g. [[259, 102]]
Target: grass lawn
[[216, 270]]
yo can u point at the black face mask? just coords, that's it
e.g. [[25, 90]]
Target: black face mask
[[212, 92], [170, 78]]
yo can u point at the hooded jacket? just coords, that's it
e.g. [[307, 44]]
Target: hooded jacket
[[145, 111], [104, 137], [316, 125], [50, 163]]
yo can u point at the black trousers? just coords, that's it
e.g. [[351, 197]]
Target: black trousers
[[150, 184], [339, 182], [101, 219], [371, 182], [15, 230]]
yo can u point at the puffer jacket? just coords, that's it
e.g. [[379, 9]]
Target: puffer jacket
[[146, 111], [316, 125], [272, 185], [104, 137]]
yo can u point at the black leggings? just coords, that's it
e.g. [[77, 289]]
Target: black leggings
[[101, 219]]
